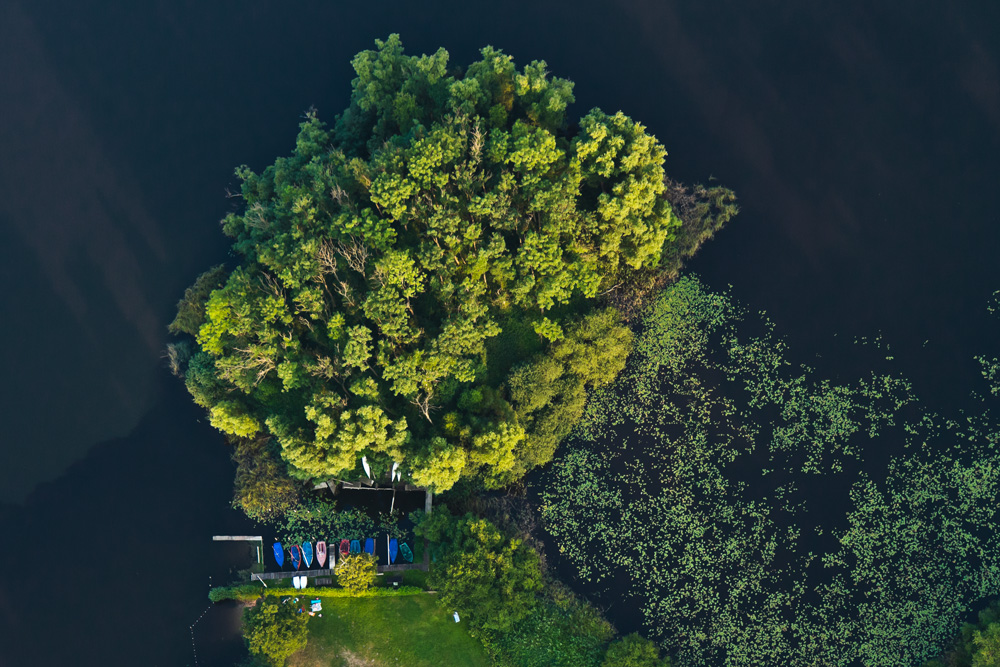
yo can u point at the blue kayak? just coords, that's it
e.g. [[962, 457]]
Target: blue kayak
[[393, 550], [355, 547], [296, 556], [369, 546], [307, 553], [279, 554]]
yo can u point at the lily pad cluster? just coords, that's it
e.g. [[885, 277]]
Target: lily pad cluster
[[748, 506]]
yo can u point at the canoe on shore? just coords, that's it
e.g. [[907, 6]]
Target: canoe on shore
[[296, 556], [404, 551], [393, 550], [345, 547], [321, 553], [369, 546], [307, 553], [279, 554], [355, 546]]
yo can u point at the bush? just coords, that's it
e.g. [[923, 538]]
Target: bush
[[357, 573], [561, 630], [634, 651], [487, 577]]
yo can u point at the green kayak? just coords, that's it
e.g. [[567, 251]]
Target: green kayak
[[404, 551]]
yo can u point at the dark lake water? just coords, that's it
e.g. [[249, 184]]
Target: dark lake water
[[863, 143]]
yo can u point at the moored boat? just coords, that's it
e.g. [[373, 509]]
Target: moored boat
[[307, 553], [296, 556], [393, 550], [345, 547], [369, 546], [404, 551], [279, 554], [321, 553], [355, 546]]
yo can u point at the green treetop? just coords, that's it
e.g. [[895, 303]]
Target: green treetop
[[420, 281], [274, 631], [357, 572]]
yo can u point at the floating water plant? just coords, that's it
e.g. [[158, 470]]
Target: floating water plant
[[752, 507]]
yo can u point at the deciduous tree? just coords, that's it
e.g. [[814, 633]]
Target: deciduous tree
[[377, 261], [274, 631]]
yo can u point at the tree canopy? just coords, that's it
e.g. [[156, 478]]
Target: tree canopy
[[419, 281], [274, 631], [489, 578]]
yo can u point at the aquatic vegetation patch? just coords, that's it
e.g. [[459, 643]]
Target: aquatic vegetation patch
[[750, 509], [317, 520]]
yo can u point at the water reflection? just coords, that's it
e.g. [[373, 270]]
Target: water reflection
[[116, 556]]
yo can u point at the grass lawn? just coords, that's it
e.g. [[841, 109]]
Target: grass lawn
[[411, 630]]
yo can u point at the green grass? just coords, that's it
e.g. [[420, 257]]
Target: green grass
[[414, 578], [411, 630]]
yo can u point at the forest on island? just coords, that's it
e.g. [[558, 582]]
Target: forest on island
[[431, 279], [456, 279]]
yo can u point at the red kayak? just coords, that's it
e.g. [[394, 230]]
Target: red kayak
[[345, 548]]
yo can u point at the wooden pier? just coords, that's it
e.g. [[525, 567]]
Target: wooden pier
[[237, 538], [244, 538], [402, 567], [335, 485], [326, 572]]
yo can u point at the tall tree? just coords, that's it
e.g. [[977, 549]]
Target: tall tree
[[487, 577], [377, 262], [274, 631]]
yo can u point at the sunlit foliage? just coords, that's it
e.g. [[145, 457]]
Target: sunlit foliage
[[274, 631], [357, 572], [382, 261], [976, 644]]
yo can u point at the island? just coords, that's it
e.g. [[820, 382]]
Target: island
[[457, 290]]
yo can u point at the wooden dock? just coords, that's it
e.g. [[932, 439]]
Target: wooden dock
[[237, 538], [244, 538], [402, 567], [335, 485], [326, 572]]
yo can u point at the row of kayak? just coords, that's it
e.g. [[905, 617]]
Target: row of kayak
[[304, 553]]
